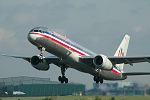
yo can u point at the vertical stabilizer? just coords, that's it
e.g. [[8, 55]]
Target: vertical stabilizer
[[122, 49]]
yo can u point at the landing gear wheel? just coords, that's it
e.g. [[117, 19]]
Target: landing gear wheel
[[63, 79], [95, 78], [66, 80], [59, 78], [98, 79], [101, 80]]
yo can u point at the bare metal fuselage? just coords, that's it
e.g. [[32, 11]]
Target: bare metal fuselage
[[72, 59]]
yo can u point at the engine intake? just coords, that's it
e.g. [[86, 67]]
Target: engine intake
[[102, 62], [38, 63]]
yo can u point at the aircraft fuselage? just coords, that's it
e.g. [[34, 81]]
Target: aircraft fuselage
[[69, 52]]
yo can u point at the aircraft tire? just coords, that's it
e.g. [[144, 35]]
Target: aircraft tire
[[66, 80], [101, 80], [59, 78], [97, 81], [95, 78], [62, 81]]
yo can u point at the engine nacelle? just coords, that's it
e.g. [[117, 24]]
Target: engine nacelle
[[39, 64], [102, 62]]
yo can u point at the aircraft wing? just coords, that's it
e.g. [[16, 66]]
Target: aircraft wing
[[89, 59], [25, 58], [50, 59], [118, 60]]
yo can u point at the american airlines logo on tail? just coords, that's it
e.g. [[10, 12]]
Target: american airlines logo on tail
[[120, 53]]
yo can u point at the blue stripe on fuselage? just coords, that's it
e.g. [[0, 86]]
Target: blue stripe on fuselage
[[117, 68], [67, 42]]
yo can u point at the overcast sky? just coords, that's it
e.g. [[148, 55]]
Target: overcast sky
[[98, 25]]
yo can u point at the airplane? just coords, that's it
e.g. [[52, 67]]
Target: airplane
[[68, 54], [18, 93]]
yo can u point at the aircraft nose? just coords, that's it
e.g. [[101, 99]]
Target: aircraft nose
[[32, 37]]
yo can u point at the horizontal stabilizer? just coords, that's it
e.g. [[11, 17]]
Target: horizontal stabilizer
[[136, 73], [129, 60]]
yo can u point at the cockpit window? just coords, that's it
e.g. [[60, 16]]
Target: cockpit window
[[31, 31], [41, 30], [36, 31]]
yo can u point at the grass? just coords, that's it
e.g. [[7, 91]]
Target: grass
[[79, 98]]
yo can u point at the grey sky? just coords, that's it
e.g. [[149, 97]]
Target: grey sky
[[98, 25]]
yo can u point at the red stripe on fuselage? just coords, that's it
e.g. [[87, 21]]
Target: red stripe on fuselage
[[58, 42], [115, 71]]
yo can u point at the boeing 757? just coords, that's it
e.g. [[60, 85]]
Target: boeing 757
[[68, 54]]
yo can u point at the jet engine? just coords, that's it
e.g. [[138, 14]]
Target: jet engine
[[102, 62], [40, 64]]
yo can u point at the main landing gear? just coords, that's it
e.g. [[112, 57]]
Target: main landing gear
[[62, 78], [98, 79], [63, 67]]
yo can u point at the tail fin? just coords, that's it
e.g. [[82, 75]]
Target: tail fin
[[122, 49]]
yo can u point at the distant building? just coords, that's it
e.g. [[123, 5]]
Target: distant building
[[105, 86], [34, 86], [2, 84], [26, 80], [118, 88]]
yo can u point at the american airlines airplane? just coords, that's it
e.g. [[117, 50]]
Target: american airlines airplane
[[70, 55]]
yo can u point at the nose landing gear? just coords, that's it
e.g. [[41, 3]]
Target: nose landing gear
[[42, 49]]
